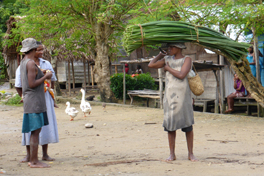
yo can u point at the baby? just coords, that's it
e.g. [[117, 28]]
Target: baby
[[47, 86]]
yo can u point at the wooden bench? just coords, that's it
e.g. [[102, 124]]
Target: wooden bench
[[248, 102], [203, 102], [146, 93]]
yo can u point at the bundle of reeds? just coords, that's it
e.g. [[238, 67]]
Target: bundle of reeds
[[158, 32]]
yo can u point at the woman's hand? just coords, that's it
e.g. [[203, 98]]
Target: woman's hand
[[43, 71], [48, 75], [162, 51], [166, 67]]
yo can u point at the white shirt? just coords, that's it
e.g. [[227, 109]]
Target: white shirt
[[44, 64]]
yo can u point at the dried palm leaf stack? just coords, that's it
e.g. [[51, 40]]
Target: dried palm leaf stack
[[158, 32]]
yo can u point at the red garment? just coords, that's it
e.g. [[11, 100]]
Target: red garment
[[126, 69]]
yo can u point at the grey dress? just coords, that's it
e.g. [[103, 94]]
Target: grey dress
[[178, 110]]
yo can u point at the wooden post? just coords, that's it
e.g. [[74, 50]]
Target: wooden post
[[218, 97], [256, 53], [73, 76], [89, 74], [110, 67], [69, 78], [222, 85], [160, 87], [18, 59], [124, 85], [92, 75], [84, 71], [115, 68]]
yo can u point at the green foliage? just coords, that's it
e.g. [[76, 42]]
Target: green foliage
[[3, 72], [225, 16], [117, 84], [139, 82], [14, 100], [145, 81], [7, 9], [74, 24]]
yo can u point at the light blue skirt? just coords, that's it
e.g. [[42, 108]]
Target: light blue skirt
[[253, 70], [34, 121]]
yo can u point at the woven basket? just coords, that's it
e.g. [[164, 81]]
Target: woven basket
[[196, 84]]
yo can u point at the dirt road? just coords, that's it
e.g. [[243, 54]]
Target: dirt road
[[131, 141]]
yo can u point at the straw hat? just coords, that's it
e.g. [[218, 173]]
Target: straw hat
[[28, 44]]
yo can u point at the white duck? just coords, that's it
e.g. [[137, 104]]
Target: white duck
[[71, 111], [85, 106]]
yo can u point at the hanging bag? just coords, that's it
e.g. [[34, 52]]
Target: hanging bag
[[196, 84]]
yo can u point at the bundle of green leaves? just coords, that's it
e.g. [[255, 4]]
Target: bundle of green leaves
[[157, 32]]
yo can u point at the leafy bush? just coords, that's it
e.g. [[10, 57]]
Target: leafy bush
[[138, 82], [14, 100], [145, 81]]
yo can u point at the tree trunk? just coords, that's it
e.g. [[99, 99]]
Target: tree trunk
[[103, 72], [53, 62], [102, 64]]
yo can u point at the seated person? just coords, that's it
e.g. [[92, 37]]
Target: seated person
[[240, 92], [139, 70], [126, 68]]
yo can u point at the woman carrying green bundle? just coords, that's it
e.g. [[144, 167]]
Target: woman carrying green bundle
[[178, 112]]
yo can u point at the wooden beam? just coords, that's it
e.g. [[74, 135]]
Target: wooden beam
[[124, 85], [92, 75], [160, 87], [18, 59], [218, 97], [88, 73], [222, 84], [115, 68], [69, 78], [84, 71], [256, 53], [73, 76]]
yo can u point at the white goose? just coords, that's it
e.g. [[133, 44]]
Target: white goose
[[71, 111], [85, 106]]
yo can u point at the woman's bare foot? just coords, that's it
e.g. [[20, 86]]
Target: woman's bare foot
[[47, 158], [191, 157], [229, 110], [171, 158], [56, 106], [24, 160], [38, 164]]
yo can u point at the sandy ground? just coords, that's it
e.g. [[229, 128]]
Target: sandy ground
[[121, 143]]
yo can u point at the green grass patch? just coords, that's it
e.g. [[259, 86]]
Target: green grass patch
[[14, 101]]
